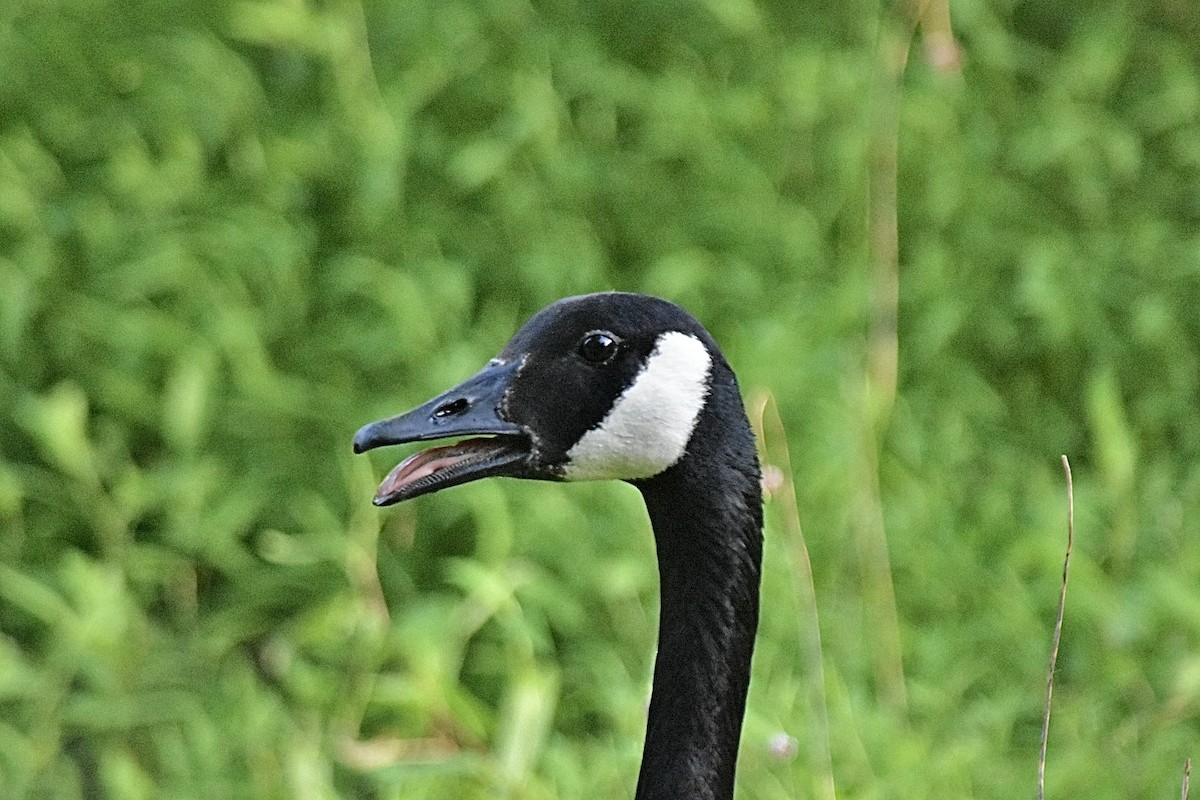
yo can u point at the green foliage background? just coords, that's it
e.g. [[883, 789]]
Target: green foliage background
[[232, 232]]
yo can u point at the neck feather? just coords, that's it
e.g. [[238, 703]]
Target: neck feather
[[707, 517]]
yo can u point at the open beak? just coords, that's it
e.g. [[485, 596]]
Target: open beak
[[470, 409]]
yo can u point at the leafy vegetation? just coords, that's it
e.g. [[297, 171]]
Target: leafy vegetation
[[231, 232]]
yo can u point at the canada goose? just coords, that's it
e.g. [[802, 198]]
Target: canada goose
[[628, 387]]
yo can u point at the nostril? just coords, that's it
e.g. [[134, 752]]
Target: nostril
[[450, 409]]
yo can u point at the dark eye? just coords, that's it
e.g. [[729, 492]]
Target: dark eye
[[598, 347]]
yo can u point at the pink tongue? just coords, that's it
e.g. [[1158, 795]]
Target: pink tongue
[[427, 462]]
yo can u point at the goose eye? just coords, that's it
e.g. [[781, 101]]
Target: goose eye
[[598, 347]]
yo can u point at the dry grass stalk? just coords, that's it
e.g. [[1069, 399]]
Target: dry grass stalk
[[1062, 602], [898, 28], [779, 485]]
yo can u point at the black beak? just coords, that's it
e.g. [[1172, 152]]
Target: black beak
[[470, 409]]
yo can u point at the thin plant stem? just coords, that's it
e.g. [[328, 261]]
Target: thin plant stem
[[1062, 602], [772, 438]]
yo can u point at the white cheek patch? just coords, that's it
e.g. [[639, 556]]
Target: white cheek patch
[[648, 428]]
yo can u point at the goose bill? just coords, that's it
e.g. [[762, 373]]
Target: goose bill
[[469, 409], [442, 467]]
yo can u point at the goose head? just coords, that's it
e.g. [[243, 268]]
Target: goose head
[[601, 386]]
